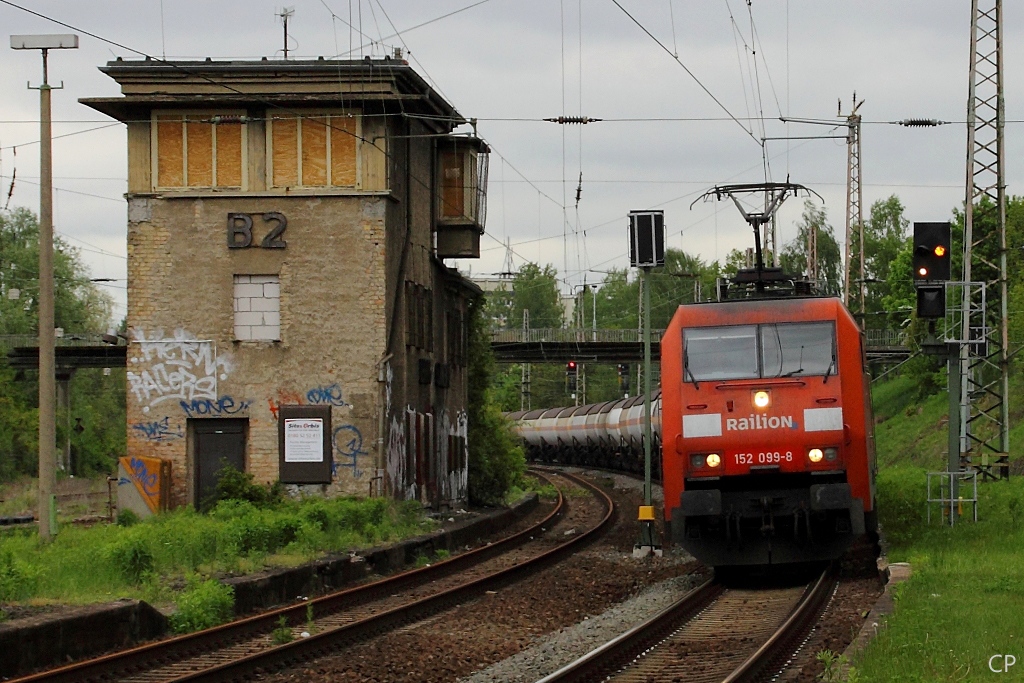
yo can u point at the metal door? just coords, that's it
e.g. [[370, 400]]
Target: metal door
[[217, 442]]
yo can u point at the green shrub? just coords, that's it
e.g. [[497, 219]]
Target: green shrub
[[203, 605], [235, 485], [127, 518], [17, 579], [283, 633], [133, 557]]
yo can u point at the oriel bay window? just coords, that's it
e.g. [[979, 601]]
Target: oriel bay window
[[199, 150], [313, 149]]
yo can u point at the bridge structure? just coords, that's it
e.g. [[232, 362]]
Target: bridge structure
[[73, 352], [555, 345]]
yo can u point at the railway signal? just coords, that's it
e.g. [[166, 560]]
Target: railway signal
[[932, 251], [931, 263], [571, 374], [623, 369]]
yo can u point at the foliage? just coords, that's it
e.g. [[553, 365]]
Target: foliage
[[833, 663], [79, 306], [145, 560], [17, 578], [885, 237], [233, 484], [132, 555], [496, 462], [963, 602], [282, 633], [793, 257], [127, 518], [204, 604], [532, 289]]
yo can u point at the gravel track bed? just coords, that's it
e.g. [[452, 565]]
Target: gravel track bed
[[531, 628]]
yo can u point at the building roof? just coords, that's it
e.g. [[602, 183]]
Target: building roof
[[387, 85]]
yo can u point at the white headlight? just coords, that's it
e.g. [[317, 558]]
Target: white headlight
[[815, 455], [714, 460], [762, 399]]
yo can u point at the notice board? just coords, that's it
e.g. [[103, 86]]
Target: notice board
[[304, 444]]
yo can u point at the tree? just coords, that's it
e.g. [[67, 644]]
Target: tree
[[495, 460], [793, 257], [78, 307], [885, 236]]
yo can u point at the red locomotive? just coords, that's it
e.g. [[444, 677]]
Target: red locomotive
[[767, 440]]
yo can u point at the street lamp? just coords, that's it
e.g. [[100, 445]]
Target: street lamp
[[47, 362]]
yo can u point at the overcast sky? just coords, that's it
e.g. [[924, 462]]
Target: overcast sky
[[510, 63]]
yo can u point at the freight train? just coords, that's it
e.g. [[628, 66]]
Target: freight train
[[764, 427]]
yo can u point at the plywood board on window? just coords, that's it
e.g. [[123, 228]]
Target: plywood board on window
[[170, 151], [140, 163], [199, 147], [453, 191], [229, 155], [314, 151], [374, 155], [344, 167], [285, 153]]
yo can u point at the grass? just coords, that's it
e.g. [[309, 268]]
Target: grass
[[166, 558], [964, 602]]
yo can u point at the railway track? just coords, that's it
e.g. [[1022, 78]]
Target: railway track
[[243, 648], [713, 634]]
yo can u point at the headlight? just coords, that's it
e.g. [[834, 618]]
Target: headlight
[[696, 460], [762, 399], [714, 460], [831, 454], [815, 455]]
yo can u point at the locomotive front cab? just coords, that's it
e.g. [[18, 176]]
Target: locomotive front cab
[[760, 449]]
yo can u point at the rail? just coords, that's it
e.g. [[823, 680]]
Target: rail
[[648, 636], [218, 666]]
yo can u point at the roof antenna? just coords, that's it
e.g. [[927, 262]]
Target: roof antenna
[[286, 14]]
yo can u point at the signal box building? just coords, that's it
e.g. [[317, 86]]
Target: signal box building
[[289, 310]]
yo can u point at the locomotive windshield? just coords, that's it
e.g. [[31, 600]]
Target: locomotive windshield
[[759, 351]]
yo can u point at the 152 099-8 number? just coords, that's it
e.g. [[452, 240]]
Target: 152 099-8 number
[[763, 458]]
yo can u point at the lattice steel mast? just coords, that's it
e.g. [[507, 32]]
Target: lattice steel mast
[[984, 367], [854, 208]]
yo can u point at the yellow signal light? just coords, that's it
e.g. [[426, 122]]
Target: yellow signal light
[[940, 250]]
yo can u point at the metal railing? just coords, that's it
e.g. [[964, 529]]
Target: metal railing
[[890, 338]]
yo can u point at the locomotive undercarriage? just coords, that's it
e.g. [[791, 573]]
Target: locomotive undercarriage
[[756, 521]]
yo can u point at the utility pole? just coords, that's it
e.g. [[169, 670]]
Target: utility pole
[[984, 364], [812, 253], [854, 209], [524, 383], [47, 360]]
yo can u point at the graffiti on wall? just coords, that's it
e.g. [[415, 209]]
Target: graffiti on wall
[[348, 447], [396, 456], [205, 407], [144, 474], [453, 456], [158, 430], [179, 368], [323, 395]]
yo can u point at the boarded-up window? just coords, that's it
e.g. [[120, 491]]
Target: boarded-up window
[[314, 149], [199, 150], [453, 185]]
